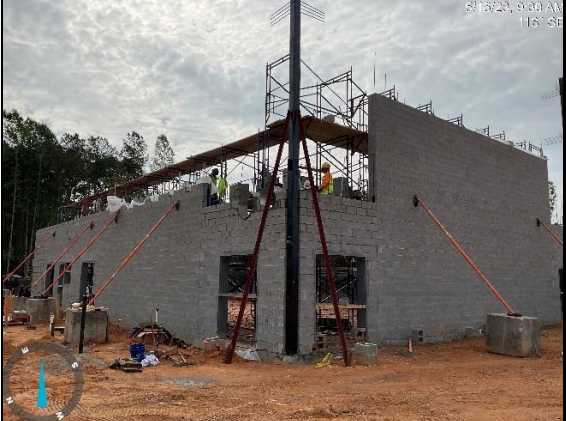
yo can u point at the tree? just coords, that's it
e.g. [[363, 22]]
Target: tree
[[553, 196], [134, 156], [164, 155]]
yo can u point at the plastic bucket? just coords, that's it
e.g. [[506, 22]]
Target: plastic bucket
[[137, 351]]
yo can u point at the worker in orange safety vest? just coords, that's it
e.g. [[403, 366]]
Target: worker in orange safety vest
[[327, 187]]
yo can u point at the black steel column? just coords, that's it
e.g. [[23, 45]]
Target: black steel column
[[83, 324], [293, 253], [561, 83]]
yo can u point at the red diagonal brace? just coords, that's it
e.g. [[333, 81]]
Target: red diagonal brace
[[134, 251], [255, 257], [322, 234], [556, 238], [29, 256], [418, 202], [89, 225], [83, 251]]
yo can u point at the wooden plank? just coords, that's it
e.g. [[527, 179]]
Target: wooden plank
[[240, 296], [348, 307]]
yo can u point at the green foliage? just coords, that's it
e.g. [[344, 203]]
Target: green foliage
[[41, 173], [164, 155], [134, 156], [553, 196]]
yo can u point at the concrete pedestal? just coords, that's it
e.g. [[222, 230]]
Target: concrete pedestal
[[19, 303], [365, 354], [513, 336], [96, 330], [40, 310]]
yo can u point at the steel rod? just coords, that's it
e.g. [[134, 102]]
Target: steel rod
[[44, 274], [557, 238], [255, 257], [29, 256], [134, 251], [83, 251], [417, 202], [329, 273]]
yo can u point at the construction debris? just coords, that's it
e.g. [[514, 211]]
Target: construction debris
[[249, 355], [156, 335], [326, 362]]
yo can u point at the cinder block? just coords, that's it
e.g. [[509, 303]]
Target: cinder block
[[513, 336]]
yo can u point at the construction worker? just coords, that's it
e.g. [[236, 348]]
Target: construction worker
[[214, 176], [220, 182], [327, 187]]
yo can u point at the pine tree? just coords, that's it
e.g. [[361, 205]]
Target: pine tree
[[164, 155], [134, 156]]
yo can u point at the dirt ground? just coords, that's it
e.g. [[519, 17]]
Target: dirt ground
[[457, 382]]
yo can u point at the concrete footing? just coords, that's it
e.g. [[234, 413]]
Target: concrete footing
[[513, 336], [40, 310], [96, 329], [365, 354]]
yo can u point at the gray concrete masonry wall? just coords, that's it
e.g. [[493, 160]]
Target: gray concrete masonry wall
[[487, 193], [178, 269]]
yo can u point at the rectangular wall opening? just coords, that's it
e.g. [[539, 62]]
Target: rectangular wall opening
[[87, 280], [349, 274], [49, 278], [61, 283], [233, 275]]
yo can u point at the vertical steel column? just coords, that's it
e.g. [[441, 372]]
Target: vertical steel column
[[83, 324], [293, 252]]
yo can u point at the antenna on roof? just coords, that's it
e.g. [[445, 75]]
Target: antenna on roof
[[306, 9]]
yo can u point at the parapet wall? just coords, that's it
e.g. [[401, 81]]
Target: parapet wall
[[487, 193]]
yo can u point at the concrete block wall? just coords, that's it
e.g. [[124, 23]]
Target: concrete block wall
[[487, 193], [177, 270], [352, 229]]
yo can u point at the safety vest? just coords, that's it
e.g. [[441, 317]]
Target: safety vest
[[330, 189], [222, 187]]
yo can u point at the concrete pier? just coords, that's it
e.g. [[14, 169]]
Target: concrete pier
[[513, 336], [96, 330], [40, 310]]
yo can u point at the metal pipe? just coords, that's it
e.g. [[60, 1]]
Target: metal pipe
[[557, 238], [293, 176], [44, 274], [83, 324], [255, 257], [29, 256], [134, 251], [83, 251], [417, 201], [330, 275]]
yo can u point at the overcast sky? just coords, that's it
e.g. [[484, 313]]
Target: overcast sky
[[195, 69]]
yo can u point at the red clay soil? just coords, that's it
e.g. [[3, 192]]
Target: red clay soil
[[457, 382]]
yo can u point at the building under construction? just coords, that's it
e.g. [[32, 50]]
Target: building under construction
[[397, 274]]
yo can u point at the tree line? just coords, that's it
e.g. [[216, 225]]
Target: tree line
[[41, 173]]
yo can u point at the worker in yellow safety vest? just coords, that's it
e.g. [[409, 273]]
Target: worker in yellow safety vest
[[327, 186], [220, 182]]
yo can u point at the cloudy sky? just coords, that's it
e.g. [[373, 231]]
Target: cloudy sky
[[194, 69]]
